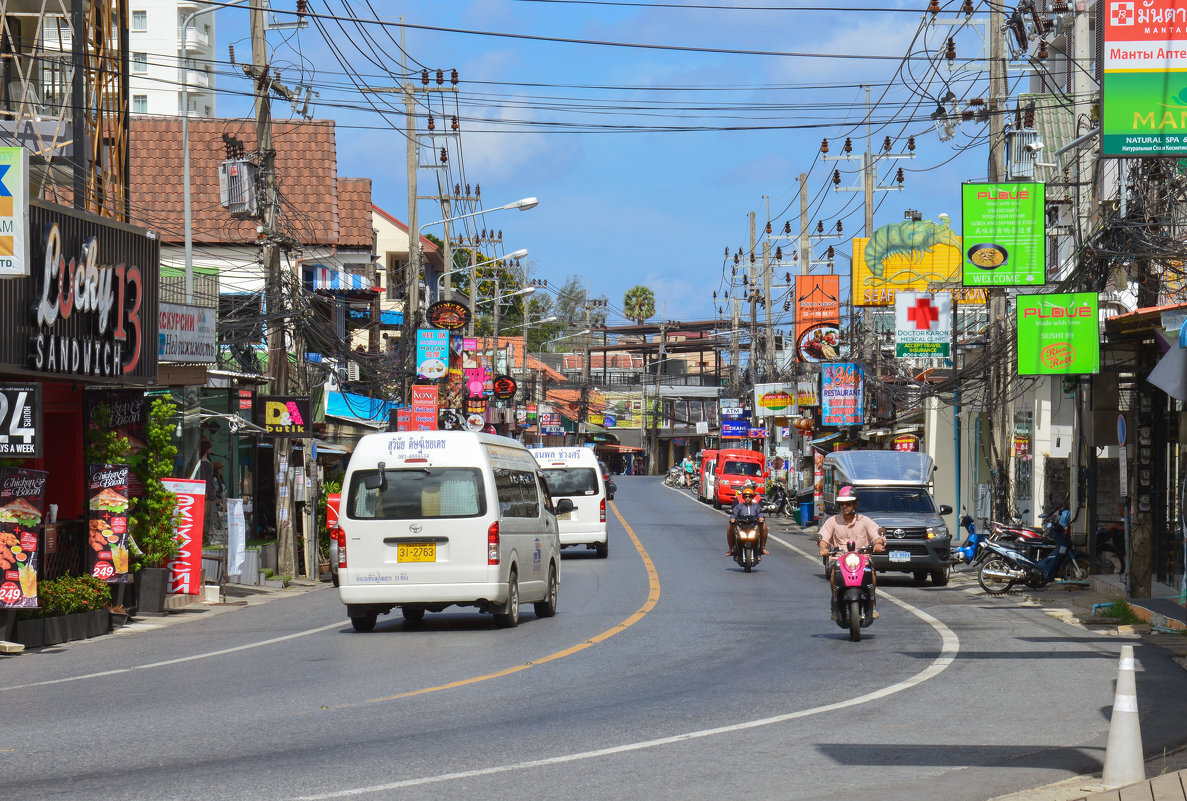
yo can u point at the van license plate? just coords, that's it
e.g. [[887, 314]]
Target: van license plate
[[416, 552], [900, 556]]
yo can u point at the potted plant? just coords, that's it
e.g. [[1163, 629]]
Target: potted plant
[[151, 521], [119, 616]]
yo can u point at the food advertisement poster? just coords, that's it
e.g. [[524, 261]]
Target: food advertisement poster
[[806, 394], [922, 325], [774, 400], [911, 256], [817, 316], [448, 314], [22, 501], [107, 526], [1058, 334], [432, 353], [842, 394], [1144, 78], [20, 421], [185, 571], [1005, 237]]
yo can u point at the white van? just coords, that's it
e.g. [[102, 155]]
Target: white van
[[574, 473], [432, 519]]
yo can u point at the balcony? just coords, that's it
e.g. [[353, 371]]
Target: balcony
[[197, 41], [196, 79]]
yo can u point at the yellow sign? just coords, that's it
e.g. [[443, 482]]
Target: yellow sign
[[911, 256]]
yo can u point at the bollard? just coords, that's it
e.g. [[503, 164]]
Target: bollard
[[1124, 759]]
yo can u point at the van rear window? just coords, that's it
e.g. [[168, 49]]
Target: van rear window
[[741, 469], [425, 493], [567, 482]]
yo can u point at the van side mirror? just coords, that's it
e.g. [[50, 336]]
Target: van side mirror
[[563, 506], [945, 510]]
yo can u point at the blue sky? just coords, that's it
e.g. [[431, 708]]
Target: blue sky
[[620, 205]]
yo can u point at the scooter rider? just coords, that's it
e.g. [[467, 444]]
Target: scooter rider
[[848, 526], [747, 506]]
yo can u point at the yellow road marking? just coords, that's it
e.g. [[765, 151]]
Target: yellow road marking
[[653, 590]]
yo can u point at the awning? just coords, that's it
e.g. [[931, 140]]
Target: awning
[[335, 281], [330, 447], [610, 446]]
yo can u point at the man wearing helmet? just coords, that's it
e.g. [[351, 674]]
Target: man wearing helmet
[[747, 506], [848, 526]]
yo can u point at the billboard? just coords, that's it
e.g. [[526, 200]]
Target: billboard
[[1144, 81], [1005, 242], [14, 212], [911, 255], [1058, 334], [774, 400], [842, 394], [922, 325], [817, 317]]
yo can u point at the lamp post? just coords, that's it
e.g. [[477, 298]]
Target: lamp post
[[495, 340], [185, 146], [515, 254]]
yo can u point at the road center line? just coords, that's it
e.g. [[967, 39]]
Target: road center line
[[948, 651]]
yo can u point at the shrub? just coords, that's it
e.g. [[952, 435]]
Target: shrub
[[67, 595]]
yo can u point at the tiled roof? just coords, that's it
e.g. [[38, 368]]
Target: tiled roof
[[354, 213], [306, 173]]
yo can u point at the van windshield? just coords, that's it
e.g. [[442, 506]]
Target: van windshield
[[741, 469], [431, 492], [894, 500], [571, 481]]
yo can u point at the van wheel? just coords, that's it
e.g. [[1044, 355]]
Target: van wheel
[[602, 549], [920, 577], [364, 623], [716, 503], [940, 577], [547, 607], [413, 614], [509, 617]]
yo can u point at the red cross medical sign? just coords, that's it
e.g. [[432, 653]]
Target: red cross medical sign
[[922, 324]]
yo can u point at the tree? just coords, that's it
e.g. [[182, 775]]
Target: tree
[[638, 303]]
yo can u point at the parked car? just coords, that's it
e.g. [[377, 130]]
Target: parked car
[[736, 466]]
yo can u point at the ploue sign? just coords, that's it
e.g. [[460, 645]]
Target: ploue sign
[[1058, 334]]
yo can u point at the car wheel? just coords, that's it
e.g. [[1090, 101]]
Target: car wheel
[[413, 614], [919, 577], [547, 607], [940, 577], [602, 549], [334, 578], [364, 623], [509, 617]]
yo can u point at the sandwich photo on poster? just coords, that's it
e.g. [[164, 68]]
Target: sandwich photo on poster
[[107, 524], [22, 499]]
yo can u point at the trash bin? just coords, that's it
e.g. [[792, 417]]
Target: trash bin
[[806, 509]]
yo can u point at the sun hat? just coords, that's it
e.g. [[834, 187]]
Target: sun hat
[[847, 494]]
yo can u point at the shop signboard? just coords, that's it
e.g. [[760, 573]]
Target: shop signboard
[[504, 387], [906, 442], [448, 314], [22, 504], [107, 521], [424, 419], [186, 334], [14, 211], [610, 421], [1144, 72], [842, 394], [806, 394], [1058, 334], [283, 416], [424, 396], [124, 411], [922, 325], [906, 256], [432, 353], [774, 400], [1005, 237], [20, 421], [403, 419], [817, 316], [735, 429], [185, 571]]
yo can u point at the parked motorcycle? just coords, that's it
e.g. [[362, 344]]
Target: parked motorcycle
[[1005, 566], [853, 589], [971, 553], [695, 486], [747, 542], [775, 499], [674, 478]]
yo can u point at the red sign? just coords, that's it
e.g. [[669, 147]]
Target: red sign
[[448, 314], [185, 570], [504, 387], [424, 396], [22, 496], [906, 442], [424, 419], [333, 499], [404, 419]]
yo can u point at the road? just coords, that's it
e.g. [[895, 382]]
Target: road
[[667, 674]]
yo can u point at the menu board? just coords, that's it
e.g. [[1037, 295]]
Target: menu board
[[22, 501], [107, 526]]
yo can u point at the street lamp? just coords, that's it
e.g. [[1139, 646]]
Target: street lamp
[[527, 290], [515, 254]]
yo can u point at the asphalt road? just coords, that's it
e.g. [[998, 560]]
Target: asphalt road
[[667, 674]]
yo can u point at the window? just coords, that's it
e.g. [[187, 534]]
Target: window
[[140, 20], [517, 493], [428, 493], [571, 482], [139, 104], [741, 469], [140, 62]]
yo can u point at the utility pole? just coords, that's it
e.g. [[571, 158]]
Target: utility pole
[[805, 248], [766, 291], [657, 402], [752, 292], [735, 348]]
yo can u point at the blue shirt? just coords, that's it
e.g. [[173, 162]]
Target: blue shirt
[[752, 509]]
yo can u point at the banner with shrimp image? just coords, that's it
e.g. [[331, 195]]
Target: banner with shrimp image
[[908, 256], [817, 317], [22, 500]]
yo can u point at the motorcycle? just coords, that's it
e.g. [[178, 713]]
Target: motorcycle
[[1005, 566], [853, 589], [972, 552], [775, 500], [674, 478], [747, 542]]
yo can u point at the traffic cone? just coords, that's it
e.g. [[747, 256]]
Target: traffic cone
[[1124, 759]]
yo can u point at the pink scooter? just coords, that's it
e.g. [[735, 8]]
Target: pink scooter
[[853, 589]]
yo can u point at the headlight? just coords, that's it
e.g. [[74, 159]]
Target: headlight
[[852, 561], [937, 531]]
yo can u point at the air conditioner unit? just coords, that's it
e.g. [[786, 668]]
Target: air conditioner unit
[[352, 371], [237, 188]]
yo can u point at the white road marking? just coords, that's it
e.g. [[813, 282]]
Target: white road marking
[[950, 647]]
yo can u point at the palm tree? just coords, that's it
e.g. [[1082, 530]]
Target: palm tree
[[638, 303]]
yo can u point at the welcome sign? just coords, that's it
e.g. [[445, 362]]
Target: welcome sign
[[1005, 241], [1058, 334]]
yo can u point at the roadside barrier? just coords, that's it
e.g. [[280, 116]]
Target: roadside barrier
[[1124, 758]]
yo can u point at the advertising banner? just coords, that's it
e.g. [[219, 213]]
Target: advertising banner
[[912, 256], [186, 334], [448, 314], [817, 316], [424, 419], [906, 442], [404, 419], [424, 396], [503, 387], [22, 502], [20, 421], [1144, 74], [735, 429], [922, 325], [432, 353], [1005, 241], [842, 394], [1058, 334], [107, 521], [283, 416], [185, 571], [806, 394], [774, 400], [14, 211]]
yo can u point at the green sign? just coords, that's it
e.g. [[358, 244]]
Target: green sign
[[1004, 241], [1058, 334]]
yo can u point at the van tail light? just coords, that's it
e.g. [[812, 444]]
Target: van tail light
[[602, 511], [492, 544], [340, 535]]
